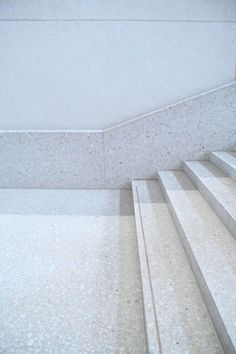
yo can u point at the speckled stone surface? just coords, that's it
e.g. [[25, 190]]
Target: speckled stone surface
[[226, 161], [163, 139], [177, 304], [51, 159], [211, 250], [69, 281], [112, 158], [151, 324], [218, 189]]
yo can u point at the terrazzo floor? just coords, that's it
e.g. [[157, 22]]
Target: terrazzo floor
[[69, 274]]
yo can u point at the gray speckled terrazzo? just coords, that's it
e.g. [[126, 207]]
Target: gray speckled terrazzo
[[226, 161], [188, 130], [177, 317], [56, 159], [218, 189], [211, 250], [163, 139], [69, 281]]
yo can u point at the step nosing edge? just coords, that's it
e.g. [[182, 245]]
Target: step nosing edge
[[149, 274]]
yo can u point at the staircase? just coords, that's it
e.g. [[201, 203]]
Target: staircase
[[186, 229], [70, 271]]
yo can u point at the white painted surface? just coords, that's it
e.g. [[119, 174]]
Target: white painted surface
[[123, 9], [94, 74]]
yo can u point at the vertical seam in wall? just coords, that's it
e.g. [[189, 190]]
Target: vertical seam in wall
[[104, 160]]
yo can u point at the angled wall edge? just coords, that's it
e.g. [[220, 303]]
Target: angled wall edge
[[134, 150], [163, 139]]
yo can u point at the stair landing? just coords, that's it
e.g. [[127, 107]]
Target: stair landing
[[69, 273]]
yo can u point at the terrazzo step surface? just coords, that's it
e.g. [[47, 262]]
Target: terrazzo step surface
[[218, 189], [226, 161], [177, 320], [69, 273], [211, 250]]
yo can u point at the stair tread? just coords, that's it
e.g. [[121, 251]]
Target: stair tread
[[69, 274], [167, 275], [210, 247]]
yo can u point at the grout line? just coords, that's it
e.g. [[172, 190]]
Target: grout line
[[64, 188], [149, 274], [111, 20], [88, 131], [104, 160]]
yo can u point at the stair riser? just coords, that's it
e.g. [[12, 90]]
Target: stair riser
[[225, 217], [228, 170]]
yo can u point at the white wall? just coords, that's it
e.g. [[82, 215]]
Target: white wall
[[219, 10], [104, 67]]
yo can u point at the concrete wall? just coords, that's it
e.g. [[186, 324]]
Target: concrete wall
[[113, 157], [92, 64]]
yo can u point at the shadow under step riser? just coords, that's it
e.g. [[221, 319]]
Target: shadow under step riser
[[218, 189], [226, 161]]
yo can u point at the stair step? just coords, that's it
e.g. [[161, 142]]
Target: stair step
[[177, 320], [226, 161], [218, 189], [211, 250]]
